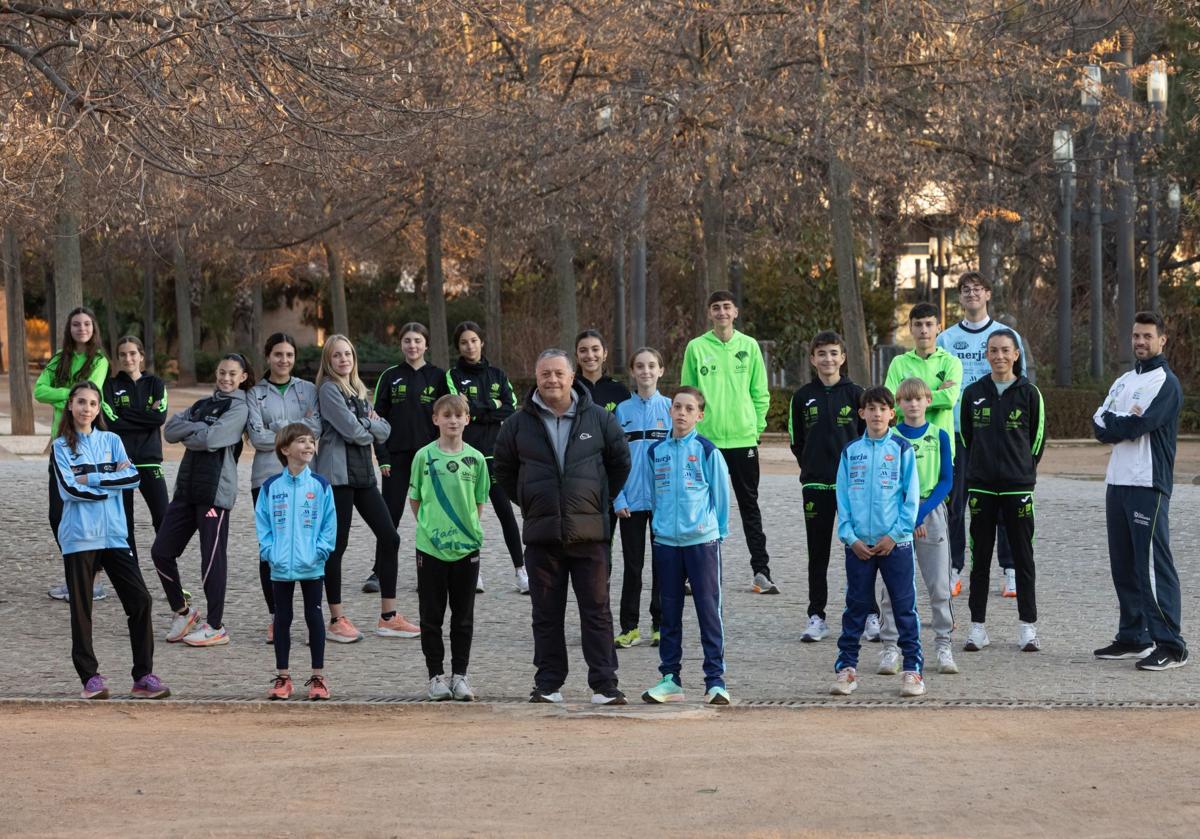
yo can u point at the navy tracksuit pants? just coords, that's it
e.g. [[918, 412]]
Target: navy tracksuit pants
[[899, 570], [701, 564], [1143, 570]]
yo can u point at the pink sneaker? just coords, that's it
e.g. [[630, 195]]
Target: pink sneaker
[[397, 627], [342, 631]]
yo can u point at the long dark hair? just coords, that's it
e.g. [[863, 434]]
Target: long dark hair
[[247, 382], [66, 425], [1019, 364], [92, 349]]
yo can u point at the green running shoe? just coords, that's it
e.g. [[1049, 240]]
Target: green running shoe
[[628, 639], [655, 638], [668, 690], [717, 696]]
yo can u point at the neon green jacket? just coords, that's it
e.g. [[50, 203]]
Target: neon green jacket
[[45, 392], [939, 367], [733, 379]]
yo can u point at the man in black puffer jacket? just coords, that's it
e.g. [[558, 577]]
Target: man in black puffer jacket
[[563, 459]]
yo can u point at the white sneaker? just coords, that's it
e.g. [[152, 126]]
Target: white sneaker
[[479, 583], [522, 580], [816, 631], [977, 638], [181, 625], [846, 684], [945, 660], [912, 684], [1027, 638], [871, 631], [439, 690], [889, 661], [1010, 583], [461, 688], [205, 636]]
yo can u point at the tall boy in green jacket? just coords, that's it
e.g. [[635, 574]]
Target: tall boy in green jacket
[[939, 369], [727, 366]]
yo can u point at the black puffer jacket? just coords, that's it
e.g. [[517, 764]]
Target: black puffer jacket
[[570, 505]]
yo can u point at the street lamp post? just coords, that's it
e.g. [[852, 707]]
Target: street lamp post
[[1064, 161], [1156, 95], [1126, 299], [1092, 88], [941, 267]]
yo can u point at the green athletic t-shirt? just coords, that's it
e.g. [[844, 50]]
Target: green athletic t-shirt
[[450, 488]]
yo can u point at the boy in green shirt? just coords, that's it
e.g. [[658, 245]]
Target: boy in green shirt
[[727, 367], [447, 488], [939, 369]]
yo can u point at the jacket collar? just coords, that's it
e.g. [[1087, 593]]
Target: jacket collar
[[1152, 363], [583, 399]]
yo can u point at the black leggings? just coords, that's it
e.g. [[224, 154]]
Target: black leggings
[[394, 487], [508, 521], [633, 548], [374, 512], [153, 487], [122, 570], [264, 568], [56, 504], [284, 591]]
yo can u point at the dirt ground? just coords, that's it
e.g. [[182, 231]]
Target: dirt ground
[[515, 770]]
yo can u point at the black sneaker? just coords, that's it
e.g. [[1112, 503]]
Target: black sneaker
[[1163, 659], [552, 697], [371, 584], [1118, 650], [608, 697]]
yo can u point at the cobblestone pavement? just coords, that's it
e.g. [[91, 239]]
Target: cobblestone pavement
[[764, 656]]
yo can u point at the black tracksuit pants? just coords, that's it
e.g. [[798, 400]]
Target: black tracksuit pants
[[503, 508], [633, 550], [394, 487], [126, 578], [310, 590], [956, 509], [820, 516], [374, 511], [264, 568], [584, 567], [440, 582], [1143, 570], [153, 487], [743, 475], [1015, 510], [181, 522]]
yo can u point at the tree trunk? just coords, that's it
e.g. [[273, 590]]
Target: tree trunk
[[337, 288], [68, 264], [435, 280], [183, 310], [110, 301], [841, 224], [716, 242], [20, 394], [491, 295], [637, 266], [148, 284], [619, 353], [51, 309], [256, 309], [564, 273]]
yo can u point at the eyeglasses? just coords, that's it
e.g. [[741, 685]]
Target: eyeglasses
[[971, 291]]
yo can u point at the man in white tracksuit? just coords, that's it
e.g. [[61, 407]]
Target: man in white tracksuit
[[1140, 417]]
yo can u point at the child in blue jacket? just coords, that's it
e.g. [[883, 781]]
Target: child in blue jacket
[[297, 528], [645, 418], [91, 471], [690, 517], [878, 494]]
